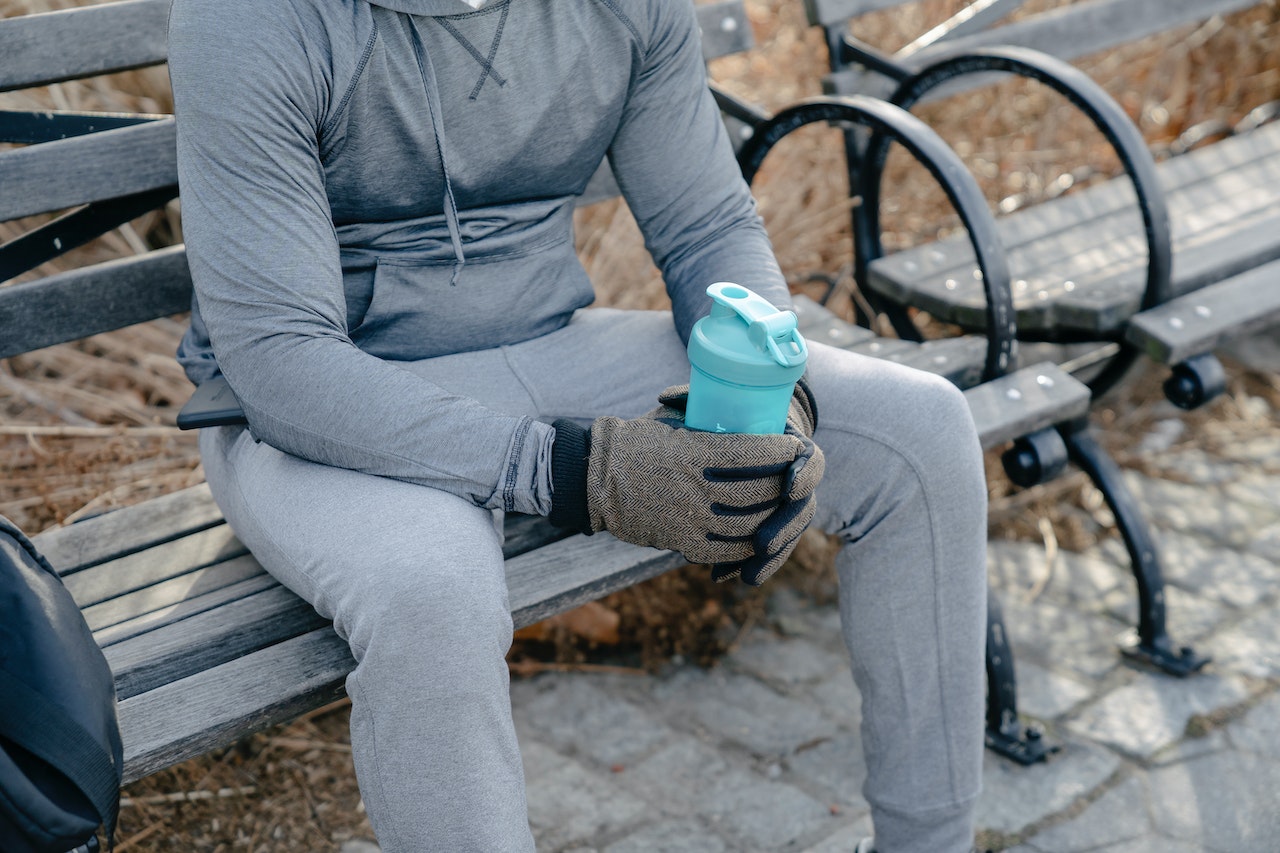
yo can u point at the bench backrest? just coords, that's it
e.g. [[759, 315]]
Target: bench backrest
[[1067, 31], [110, 168]]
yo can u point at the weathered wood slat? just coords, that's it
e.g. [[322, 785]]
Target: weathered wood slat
[[184, 609], [113, 578], [1067, 32], [1025, 401], [216, 707], [1192, 183], [222, 703], [1092, 26], [573, 571], [959, 360], [208, 639], [87, 301], [1199, 322], [82, 42], [168, 600], [725, 29], [824, 12], [1080, 261], [125, 531], [93, 167]]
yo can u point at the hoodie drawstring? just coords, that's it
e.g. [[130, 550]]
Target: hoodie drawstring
[[437, 126]]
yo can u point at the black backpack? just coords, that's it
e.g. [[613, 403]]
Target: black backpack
[[61, 760]]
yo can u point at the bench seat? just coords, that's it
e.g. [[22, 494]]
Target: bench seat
[[1079, 261]]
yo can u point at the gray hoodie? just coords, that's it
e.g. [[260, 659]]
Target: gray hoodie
[[366, 183]]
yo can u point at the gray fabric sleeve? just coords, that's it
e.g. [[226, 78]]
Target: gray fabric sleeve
[[264, 259], [674, 163]]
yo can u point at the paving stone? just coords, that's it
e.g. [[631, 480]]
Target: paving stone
[[1021, 569], [786, 662], [679, 836], [1118, 815], [1154, 843], [1225, 801], [1188, 615], [569, 804], [1191, 747], [1266, 543], [843, 839], [1224, 574], [1199, 509], [678, 776], [1043, 694], [1257, 488], [839, 699], [1262, 450], [758, 814], [1015, 797], [1152, 712], [1258, 732], [578, 718], [1250, 648], [1198, 467], [1060, 637], [747, 712], [834, 769]]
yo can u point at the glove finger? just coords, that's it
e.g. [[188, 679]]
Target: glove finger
[[758, 569], [737, 521], [788, 522], [676, 397], [722, 572]]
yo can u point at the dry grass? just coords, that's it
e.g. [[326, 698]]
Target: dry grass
[[89, 426]]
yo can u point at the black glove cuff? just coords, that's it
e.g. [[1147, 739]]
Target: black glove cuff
[[570, 453]]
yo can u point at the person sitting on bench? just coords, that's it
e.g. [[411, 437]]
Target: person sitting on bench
[[377, 201]]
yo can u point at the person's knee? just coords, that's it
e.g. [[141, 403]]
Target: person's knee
[[449, 612]]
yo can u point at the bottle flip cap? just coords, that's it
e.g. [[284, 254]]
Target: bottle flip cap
[[769, 329]]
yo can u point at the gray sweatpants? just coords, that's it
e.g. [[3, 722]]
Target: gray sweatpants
[[413, 580]]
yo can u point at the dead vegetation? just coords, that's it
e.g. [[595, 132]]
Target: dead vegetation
[[88, 427]]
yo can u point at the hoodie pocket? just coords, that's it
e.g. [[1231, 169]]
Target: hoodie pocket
[[416, 313]]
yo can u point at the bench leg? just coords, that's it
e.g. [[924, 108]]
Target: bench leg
[[1005, 735], [1154, 646]]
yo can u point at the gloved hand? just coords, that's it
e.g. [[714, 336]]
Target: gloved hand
[[777, 536], [738, 502]]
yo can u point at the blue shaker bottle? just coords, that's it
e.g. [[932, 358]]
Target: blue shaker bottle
[[746, 356]]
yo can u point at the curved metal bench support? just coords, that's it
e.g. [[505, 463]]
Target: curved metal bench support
[[891, 122], [1105, 114]]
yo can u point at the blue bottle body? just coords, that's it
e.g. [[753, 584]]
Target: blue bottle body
[[746, 357]]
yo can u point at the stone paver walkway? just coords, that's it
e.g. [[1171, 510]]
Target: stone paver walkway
[[761, 753]]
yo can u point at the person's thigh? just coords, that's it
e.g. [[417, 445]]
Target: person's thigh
[[354, 544], [604, 362]]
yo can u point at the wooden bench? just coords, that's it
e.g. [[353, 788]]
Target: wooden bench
[[1167, 261], [206, 647]]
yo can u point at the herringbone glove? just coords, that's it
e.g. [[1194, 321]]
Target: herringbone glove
[[709, 496], [776, 537]]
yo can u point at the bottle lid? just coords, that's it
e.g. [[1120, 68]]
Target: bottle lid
[[746, 340]]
